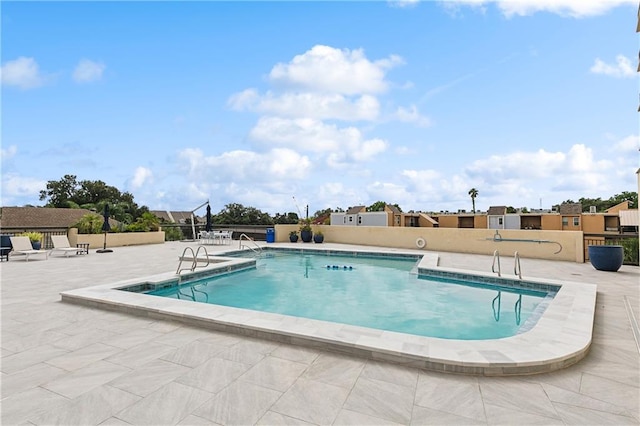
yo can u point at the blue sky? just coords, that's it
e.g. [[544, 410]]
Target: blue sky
[[330, 104]]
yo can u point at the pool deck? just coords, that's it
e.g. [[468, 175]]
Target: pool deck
[[64, 363]]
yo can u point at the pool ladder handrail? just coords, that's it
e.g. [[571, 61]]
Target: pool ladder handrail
[[258, 249], [496, 256], [194, 263], [517, 270]]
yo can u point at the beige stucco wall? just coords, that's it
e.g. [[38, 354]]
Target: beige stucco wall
[[551, 222], [115, 239], [480, 221], [448, 221], [593, 223], [477, 241]]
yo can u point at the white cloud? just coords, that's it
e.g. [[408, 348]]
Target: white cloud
[[327, 69], [141, 176], [571, 8], [630, 143], [14, 186], [8, 152], [311, 105], [575, 170], [22, 72], [339, 144], [245, 166], [621, 69], [534, 165], [88, 71], [412, 115], [403, 3]]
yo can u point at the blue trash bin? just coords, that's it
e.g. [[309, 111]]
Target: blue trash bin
[[271, 235]]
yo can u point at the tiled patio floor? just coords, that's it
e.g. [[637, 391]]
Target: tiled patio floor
[[67, 364]]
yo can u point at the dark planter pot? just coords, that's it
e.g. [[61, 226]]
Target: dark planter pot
[[36, 245], [306, 236], [606, 258], [318, 238], [293, 238]]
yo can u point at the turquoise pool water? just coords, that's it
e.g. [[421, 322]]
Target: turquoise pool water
[[381, 293]]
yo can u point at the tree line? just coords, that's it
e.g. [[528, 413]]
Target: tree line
[[68, 192]]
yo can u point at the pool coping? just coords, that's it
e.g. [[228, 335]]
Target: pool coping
[[561, 337]]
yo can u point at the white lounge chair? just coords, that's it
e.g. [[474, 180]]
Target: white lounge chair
[[22, 245], [61, 244]]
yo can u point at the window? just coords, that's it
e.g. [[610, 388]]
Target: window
[[350, 218], [500, 221], [359, 220], [576, 221], [565, 221]]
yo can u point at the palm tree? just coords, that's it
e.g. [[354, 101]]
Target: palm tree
[[473, 193]]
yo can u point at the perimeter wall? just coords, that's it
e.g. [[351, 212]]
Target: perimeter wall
[[555, 245], [115, 239]]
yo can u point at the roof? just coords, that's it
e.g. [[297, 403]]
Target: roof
[[354, 210], [618, 207], [429, 218], [570, 208], [497, 211], [34, 217], [393, 209], [629, 217]]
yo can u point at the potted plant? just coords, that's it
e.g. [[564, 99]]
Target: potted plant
[[318, 237], [305, 230], [293, 236], [35, 238]]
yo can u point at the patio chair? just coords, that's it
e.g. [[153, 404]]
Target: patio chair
[[22, 245], [226, 236], [5, 247], [61, 244], [205, 237]]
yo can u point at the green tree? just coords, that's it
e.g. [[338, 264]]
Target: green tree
[[286, 218], [473, 193], [92, 195], [237, 214], [379, 206], [90, 223], [632, 197], [59, 192]]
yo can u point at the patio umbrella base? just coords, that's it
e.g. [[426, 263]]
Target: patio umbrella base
[[104, 251]]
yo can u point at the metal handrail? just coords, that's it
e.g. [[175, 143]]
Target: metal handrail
[[194, 261], [496, 255], [517, 270], [246, 237]]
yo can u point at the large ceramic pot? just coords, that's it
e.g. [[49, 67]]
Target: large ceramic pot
[[606, 258], [36, 245], [318, 238], [306, 235]]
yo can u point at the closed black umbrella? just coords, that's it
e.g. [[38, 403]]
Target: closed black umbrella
[[208, 226], [105, 228]]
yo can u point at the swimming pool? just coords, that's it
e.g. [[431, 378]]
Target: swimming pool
[[561, 336], [384, 293]]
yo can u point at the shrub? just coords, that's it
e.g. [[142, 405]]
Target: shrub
[[33, 236], [90, 223], [630, 247], [173, 233], [630, 251], [148, 222]]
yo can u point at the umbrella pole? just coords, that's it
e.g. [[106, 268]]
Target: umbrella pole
[[104, 247]]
